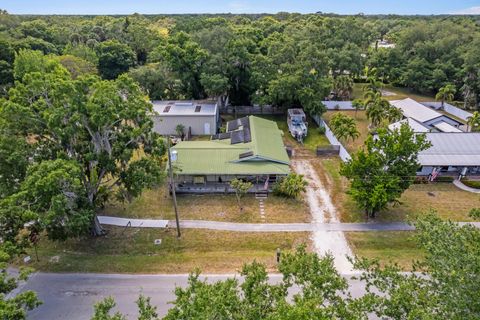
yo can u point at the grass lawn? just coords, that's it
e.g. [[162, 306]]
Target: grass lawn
[[362, 127], [156, 203], [314, 137], [134, 251], [400, 93], [449, 202], [386, 246]]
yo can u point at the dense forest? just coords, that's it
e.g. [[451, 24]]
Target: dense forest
[[283, 59]]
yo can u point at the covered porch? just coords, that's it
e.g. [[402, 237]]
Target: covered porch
[[221, 183], [456, 172]]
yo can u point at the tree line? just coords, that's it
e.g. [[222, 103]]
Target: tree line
[[283, 59]]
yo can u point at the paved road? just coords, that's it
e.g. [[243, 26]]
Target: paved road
[[71, 296], [263, 227]]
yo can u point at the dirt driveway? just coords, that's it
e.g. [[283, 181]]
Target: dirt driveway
[[323, 211]]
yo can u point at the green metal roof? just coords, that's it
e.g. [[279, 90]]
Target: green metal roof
[[222, 157]]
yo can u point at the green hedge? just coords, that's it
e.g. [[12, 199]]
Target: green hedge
[[471, 183], [444, 179]]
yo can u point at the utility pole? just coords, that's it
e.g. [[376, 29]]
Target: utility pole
[[172, 187]]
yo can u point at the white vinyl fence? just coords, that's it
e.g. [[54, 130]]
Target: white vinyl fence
[[338, 105], [457, 112], [344, 155]]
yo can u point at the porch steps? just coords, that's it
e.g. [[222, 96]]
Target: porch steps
[[261, 195]]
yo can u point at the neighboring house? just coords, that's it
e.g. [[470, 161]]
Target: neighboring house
[[198, 118], [412, 123], [454, 154], [252, 149], [421, 116], [385, 44]]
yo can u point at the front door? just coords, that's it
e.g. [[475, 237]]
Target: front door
[[206, 128]]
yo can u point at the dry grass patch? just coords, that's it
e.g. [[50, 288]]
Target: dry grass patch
[[134, 251], [446, 199], [362, 127], [156, 203], [386, 246], [449, 201], [399, 93]]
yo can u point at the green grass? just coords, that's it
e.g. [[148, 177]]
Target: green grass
[[134, 251], [386, 246], [157, 204], [314, 137]]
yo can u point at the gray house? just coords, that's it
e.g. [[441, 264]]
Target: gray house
[[426, 117], [453, 154], [198, 118]]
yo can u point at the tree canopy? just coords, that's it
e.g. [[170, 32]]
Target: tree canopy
[[84, 139], [381, 171], [282, 59]]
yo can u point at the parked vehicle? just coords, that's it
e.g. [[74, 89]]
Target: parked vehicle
[[297, 124]]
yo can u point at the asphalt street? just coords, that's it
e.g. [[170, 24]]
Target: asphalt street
[[72, 296]]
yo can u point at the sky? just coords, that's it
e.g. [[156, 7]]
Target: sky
[[241, 6]]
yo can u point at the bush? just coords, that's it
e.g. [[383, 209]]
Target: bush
[[444, 179], [322, 130], [291, 186], [471, 183], [420, 180]]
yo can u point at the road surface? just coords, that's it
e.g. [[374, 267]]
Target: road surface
[[71, 296]]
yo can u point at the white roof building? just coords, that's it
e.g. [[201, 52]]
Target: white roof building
[[184, 108], [197, 118], [446, 127], [424, 119], [452, 149], [413, 124], [415, 110]]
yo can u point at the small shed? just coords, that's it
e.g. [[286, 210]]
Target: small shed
[[198, 118]]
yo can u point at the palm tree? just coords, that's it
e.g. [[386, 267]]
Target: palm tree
[[180, 130], [375, 112], [373, 84], [357, 104], [474, 122], [343, 86], [344, 127], [393, 114], [446, 93], [376, 106]]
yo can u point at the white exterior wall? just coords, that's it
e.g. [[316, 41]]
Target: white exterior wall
[[462, 114], [442, 118], [165, 125]]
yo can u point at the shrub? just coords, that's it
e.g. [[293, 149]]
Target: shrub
[[471, 183], [444, 179], [291, 186], [420, 180], [321, 130]]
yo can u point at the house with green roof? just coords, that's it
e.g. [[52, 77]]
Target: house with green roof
[[251, 149]]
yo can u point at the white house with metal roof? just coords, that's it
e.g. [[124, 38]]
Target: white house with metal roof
[[451, 153], [428, 118], [198, 118]]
